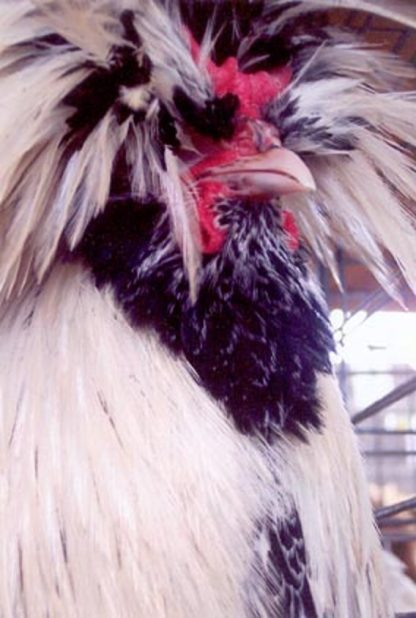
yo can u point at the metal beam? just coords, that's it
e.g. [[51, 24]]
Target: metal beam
[[394, 396], [398, 522], [395, 509], [379, 431], [399, 538]]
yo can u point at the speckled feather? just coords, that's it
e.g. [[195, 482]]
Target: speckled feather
[[256, 335]]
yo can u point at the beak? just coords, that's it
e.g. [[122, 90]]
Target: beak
[[276, 172]]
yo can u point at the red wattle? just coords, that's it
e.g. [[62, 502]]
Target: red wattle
[[212, 237], [291, 229]]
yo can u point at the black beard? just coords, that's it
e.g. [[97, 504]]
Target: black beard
[[256, 335]]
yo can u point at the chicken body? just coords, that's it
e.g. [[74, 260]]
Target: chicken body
[[172, 438]]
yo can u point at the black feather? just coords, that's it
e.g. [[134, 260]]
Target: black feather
[[215, 119], [255, 336], [286, 572], [231, 21], [100, 90]]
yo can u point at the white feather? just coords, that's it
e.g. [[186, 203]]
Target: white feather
[[366, 188], [330, 492], [184, 219], [126, 491], [90, 25], [47, 195], [401, 586], [167, 46], [366, 214]]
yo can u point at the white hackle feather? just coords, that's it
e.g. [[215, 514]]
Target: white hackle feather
[[346, 580], [402, 587], [126, 494], [36, 180], [126, 491]]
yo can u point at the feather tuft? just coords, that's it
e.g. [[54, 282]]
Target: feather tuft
[[76, 76], [360, 148]]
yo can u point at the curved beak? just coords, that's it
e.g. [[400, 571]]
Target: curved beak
[[275, 172]]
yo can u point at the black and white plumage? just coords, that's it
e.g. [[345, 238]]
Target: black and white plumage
[[173, 441]]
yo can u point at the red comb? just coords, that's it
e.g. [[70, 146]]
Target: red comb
[[252, 89]]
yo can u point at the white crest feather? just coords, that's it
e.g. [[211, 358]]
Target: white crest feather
[[50, 191], [352, 122]]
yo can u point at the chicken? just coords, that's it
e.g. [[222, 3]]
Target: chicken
[[173, 440]]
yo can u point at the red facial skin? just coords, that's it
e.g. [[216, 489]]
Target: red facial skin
[[254, 91]]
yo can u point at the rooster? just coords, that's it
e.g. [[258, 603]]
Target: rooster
[[173, 440]]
